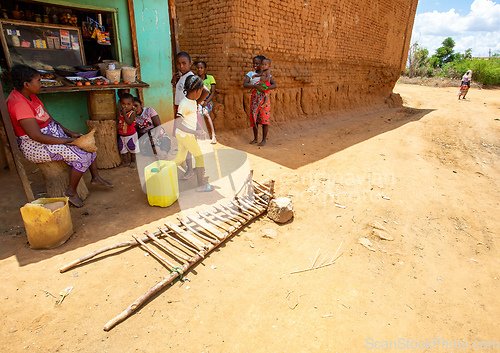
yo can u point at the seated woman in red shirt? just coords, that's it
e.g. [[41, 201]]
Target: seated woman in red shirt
[[41, 138]]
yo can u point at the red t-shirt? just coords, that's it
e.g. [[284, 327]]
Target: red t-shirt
[[125, 129], [22, 108]]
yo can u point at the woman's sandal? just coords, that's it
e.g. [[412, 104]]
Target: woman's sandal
[[204, 188], [74, 200]]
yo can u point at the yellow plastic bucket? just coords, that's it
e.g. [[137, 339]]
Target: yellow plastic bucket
[[47, 228], [162, 185]]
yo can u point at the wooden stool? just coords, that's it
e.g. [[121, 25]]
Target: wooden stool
[[56, 175]]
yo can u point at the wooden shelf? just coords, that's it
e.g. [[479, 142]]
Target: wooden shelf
[[48, 49], [93, 87]]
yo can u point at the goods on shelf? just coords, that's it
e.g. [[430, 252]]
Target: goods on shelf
[[51, 83]]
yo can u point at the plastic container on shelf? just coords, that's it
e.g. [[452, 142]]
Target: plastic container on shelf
[[102, 68], [113, 75], [129, 73], [47, 222], [162, 185]]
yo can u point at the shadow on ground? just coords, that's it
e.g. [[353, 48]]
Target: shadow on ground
[[110, 212], [343, 132]]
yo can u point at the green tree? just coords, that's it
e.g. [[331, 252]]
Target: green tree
[[444, 54]]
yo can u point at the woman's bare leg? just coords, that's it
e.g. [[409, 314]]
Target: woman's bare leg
[[265, 129], [96, 178], [74, 179], [255, 133]]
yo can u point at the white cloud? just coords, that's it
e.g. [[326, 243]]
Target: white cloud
[[479, 29]]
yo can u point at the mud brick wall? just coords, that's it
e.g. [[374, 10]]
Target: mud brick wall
[[327, 56]]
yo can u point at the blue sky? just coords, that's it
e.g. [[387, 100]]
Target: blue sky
[[472, 24]]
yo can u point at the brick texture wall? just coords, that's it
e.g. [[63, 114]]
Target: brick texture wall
[[327, 56]]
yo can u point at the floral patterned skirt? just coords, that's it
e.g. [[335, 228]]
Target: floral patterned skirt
[[260, 108], [38, 152]]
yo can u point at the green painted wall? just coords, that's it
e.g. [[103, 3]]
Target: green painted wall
[[155, 54], [153, 36]]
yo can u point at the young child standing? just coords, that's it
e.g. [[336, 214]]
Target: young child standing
[[127, 135], [207, 105], [187, 128], [183, 64], [264, 77]]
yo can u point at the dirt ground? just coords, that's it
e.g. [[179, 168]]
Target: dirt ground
[[428, 172]]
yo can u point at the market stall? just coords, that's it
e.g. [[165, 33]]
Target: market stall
[[58, 50], [120, 32]]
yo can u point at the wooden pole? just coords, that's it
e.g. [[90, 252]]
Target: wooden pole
[[135, 47], [16, 153], [100, 251], [6, 147]]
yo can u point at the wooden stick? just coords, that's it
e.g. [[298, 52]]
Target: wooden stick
[[180, 245], [263, 191], [210, 220], [100, 251], [246, 182], [159, 286], [227, 221], [207, 237], [235, 213], [186, 236], [262, 186], [242, 210], [249, 205], [233, 217], [264, 202], [209, 228], [256, 203], [163, 244], [241, 187], [154, 253]]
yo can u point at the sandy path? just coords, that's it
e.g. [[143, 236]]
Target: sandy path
[[429, 172]]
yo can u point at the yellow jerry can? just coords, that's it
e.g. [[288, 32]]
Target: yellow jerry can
[[162, 185]]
